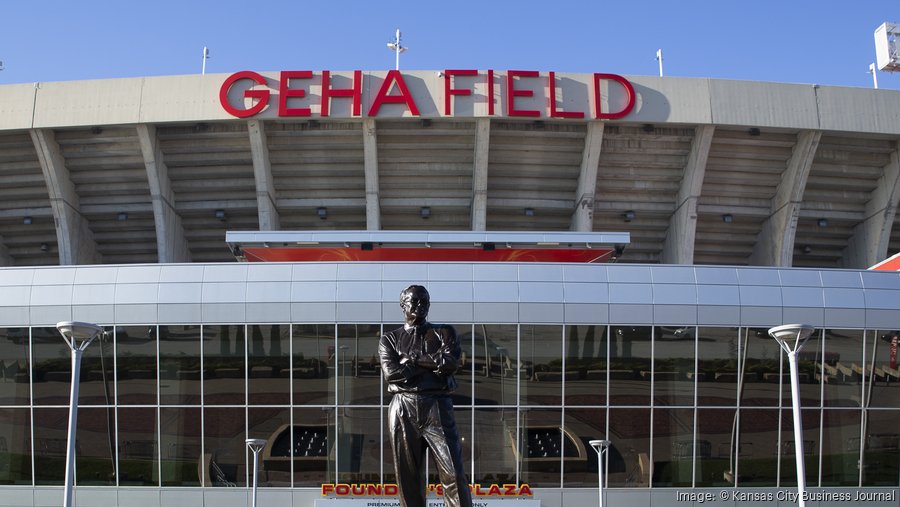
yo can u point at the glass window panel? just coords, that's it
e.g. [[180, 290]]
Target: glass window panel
[[881, 360], [224, 366], [717, 366], [495, 447], [673, 365], [224, 459], [313, 439], [95, 462], [14, 369], [840, 447], [881, 464], [580, 459], [269, 363], [15, 446], [97, 384], [542, 444], [496, 361], [179, 365], [843, 355], [760, 386], [51, 427], [136, 365], [359, 445], [359, 369], [52, 367], [809, 372], [138, 447], [629, 369], [313, 364], [180, 446], [464, 376], [716, 439], [757, 447], [274, 425], [542, 365], [629, 432], [673, 447], [586, 348], [811, 422]]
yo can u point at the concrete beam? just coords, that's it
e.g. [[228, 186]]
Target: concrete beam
[[171, 244], [74, 237], [262, 171], [370, 162], [775, 243], [480, 174], [678, 247], [869, 243], [583, 217]]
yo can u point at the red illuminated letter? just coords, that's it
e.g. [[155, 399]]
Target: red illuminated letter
[[598, 98], [285, 92], [404, 98], [261, 95], [553, 112], [512, 93], [448, 91], [355, 93], [490, 94]]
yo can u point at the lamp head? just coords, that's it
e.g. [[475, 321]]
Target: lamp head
[[78, 334], [791, 337], [256, 444], [599, 445]]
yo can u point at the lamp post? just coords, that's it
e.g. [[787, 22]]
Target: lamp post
[[78, 335], [791, 338], [601, 447], [397, 48], [255, 445]]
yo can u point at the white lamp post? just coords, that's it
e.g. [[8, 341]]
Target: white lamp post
[[255, 445], [78, 335], [397, 48], [791, 338], [601, 446]]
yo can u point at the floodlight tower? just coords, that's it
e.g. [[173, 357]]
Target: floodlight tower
[[205, 57], [397, 48]]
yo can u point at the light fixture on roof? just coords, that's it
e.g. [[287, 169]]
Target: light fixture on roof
[[122, 217], [322, 212], [45, 247], [754, 131], [628, 216], [26, 220], [397, 48], [529, 212], [425, 212], [807, 249], [727, 218], [823, 222], [220, 214]]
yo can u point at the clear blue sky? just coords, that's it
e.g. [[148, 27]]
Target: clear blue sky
[[827, 42]]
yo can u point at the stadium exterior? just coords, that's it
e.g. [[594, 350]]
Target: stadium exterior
[[731, 207]]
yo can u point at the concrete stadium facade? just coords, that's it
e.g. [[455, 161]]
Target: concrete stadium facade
[[748, 205]]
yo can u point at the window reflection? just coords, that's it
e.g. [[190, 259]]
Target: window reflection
[[224, 365], [274, 425], [843, 355], [580, 463], [716, 445], [464, 376], [882, 374], [542, 445], [313, 446], [586, 351], [760, 385], [359, 381], [313, 364], [673, 365], [52, 367], [674, 447], [15, 446], [811, 422], [630, 368], [50, 441], [495, 446], [95, 462], [224, 460], [180, 446], [496, 364], [138, 449], [136, 365], [809, 373], [629, 431], [542, 365], [269, 365], [359, 445], [14, 376], [179, 365], [717, 366], [881, 463], [840, 447], [97, 378], [758, 447]]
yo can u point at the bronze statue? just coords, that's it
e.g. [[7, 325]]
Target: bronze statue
[[418, 361]]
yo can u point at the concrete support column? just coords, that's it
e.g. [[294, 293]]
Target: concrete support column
[[869, 243], [73, 234], [171, 244], [370, 161], [679, 245], [480, 174], [775, 244], [262, 171], [583, 217]]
